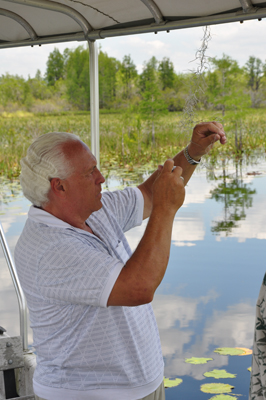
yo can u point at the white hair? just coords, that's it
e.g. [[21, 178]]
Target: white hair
[[45, 160]]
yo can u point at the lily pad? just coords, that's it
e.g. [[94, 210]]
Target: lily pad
[[229, 351], [219, 374], [216, 388], [171, 382], [223, 397], [249, 369], [198, 360]]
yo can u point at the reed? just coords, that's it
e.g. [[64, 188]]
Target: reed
[[125, 139]]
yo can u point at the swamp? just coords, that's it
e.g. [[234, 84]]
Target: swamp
[[205, 305]]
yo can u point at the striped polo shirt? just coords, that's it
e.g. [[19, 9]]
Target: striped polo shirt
[[86, 350]]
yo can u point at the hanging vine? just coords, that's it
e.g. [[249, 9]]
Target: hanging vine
[[198, 84]]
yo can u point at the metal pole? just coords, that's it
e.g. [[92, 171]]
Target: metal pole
[[19, 292], [94, 100]]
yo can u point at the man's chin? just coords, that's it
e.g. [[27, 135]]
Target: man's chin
[[99, 206]]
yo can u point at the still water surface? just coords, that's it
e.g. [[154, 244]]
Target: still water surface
[[208, 295]]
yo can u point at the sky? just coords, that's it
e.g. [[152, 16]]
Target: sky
[[236, 40]]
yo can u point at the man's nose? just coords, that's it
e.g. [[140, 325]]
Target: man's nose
[[100, 177]]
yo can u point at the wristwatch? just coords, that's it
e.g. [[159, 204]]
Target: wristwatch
[[190, 159]]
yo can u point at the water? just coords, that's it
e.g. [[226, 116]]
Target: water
[[208, 295]]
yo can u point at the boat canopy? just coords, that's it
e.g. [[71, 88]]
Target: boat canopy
[[36, 22]]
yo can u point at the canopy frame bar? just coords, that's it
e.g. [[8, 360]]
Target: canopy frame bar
[[57, 7], [154, 9], [247, 5], [21, 21]]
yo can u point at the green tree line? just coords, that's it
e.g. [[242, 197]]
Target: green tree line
[[158, 89]]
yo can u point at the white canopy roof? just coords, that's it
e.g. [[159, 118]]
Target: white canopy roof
[[30, 22]]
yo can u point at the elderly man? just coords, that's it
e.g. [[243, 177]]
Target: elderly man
[[89, 298]]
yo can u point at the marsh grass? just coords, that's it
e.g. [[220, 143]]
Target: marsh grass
[[125, 140]]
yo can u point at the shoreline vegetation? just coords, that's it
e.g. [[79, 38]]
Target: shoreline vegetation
[[145, 117], [127, 142]]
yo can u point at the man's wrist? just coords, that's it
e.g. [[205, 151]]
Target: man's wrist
[[189, 158]]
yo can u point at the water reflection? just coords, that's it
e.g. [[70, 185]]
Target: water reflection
[[207, 297], [187, 229], [177, 317], [236, 197]]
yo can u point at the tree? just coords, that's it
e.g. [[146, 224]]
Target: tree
[[254, 70], [128, 73], [166, 73], [38, 87], [108, 67], [78, 78], [12, 89], [222, 83], [151, 105], [55, 67]]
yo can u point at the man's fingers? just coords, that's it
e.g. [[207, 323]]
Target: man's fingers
[[211, 132], [209, 128], [221, 132]]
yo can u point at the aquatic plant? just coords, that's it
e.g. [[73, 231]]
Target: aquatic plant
[[130, 148]]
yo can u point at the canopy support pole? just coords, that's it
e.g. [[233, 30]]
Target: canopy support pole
[[19, 292], [94, 100]]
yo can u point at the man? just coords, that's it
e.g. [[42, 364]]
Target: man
[[89, 298]]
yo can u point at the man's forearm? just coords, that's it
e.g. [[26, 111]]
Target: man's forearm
[[145, 270]]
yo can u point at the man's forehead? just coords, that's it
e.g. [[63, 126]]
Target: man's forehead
[[73, 148], [79, 153]]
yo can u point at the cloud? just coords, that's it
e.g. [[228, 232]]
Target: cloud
[[169, 309], [176, 317], [187, 228]]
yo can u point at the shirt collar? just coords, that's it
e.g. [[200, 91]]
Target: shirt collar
[[43, 217]]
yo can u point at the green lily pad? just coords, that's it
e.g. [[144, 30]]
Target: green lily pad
[[229, 351], [219, 374], [216, 388], [198, 360], [171, 382], [223, 397], [249, 369]]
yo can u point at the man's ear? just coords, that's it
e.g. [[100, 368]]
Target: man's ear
[[58, 186]]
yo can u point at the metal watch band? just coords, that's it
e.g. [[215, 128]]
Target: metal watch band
[[190, 159]]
